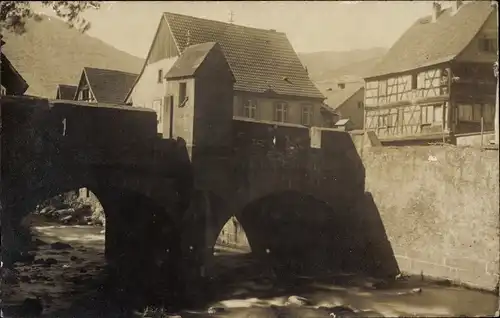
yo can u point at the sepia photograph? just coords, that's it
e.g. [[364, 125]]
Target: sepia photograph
[[249, 159]]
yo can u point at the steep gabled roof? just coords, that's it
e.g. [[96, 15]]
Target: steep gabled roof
[[66, 92], [259, 59], [191, 60], [109, 86], [13, 82], [428, 43], [336, 97]]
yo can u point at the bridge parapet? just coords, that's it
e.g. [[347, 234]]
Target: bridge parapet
[[45, 142], [66, 132]]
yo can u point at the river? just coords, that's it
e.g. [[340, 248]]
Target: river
[[71, 287]]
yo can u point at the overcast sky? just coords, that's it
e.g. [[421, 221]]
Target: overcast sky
[[311, 26]]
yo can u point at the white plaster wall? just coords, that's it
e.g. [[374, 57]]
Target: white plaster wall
[[147, 89]]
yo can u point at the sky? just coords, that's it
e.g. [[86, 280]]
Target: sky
[[311, 26]]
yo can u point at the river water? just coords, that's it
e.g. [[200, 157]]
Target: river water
[[74, 278]]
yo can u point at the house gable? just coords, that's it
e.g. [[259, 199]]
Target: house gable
[[163, 45], [83, 85], [427, 43], [200, 60], [473, 52], [357, 95]]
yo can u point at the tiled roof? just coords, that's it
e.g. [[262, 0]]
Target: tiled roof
[[66, 92], [260, 59], [13, 82], [336, 96], [191, 59], [428, 43], [109, 86]]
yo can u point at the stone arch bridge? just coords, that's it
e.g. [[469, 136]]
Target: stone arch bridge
[[297, 191]]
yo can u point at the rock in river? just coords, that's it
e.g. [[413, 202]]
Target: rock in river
[[298, 301], [60, 246]]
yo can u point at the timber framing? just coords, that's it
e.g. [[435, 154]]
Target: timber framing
[[428, 90]]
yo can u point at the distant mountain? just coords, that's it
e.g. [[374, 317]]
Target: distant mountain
[[51, 53], [341, 66]]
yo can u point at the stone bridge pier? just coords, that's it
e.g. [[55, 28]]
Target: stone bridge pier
[[301, 205]]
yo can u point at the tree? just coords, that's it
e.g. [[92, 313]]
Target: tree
[[13, 14]]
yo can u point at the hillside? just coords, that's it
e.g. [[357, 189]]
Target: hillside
[[334, 66], [51, 53]]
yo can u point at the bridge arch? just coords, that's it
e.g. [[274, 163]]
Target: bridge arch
[[137, 220], [298, 233]]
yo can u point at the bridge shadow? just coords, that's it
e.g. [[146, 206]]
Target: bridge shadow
[[379, 259]]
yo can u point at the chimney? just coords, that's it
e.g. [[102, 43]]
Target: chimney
[[341, 85], [455, 6], [436, 10]]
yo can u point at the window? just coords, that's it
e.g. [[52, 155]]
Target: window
[[371, 93], [487, 45], [398, 88], [489, 113], [182, 94], [465, 112], [382, 121], [438, 114], [250, 108], [160, 75], [476, 112], [473, 113], [432, 83], [382, 91], [414, 80], [432, 114], [360, 105], [307, 114], [281, 112], [85, 94]]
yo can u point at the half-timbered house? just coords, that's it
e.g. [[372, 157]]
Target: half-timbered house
[[437, 81], [104, 86], [271, 82]]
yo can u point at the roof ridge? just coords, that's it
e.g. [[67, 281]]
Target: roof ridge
[[109, 70], [221, 22]]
